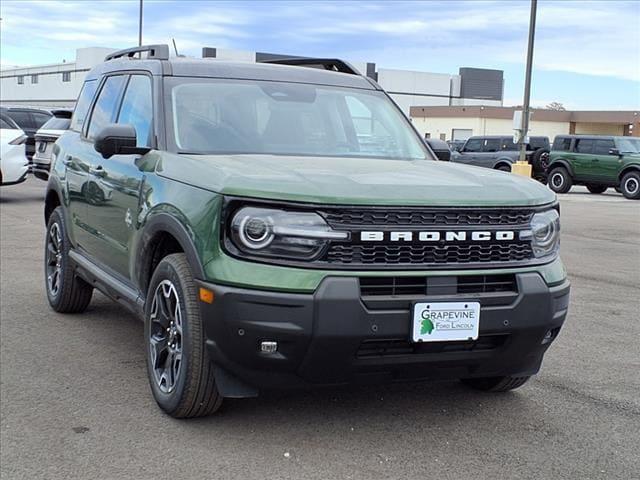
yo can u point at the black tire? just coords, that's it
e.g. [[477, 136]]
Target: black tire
[[540, 160], [496, 384], [178, 365], [596, 188], [630, 185], [559, 180], [66, 292], [503, 168]]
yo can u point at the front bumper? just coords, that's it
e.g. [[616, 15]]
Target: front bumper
[[335, 336]]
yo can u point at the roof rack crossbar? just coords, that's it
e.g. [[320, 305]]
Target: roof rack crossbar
[[333, 64], [158, 52]]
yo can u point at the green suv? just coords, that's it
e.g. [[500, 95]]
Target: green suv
[[277, 225], [599, 162]]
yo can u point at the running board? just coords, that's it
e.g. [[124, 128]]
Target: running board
[[107, 283]]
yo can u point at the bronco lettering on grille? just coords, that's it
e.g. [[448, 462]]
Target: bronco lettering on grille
[[436, 236]]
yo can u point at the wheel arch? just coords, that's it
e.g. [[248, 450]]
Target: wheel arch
[[52, 200], [561, 163], [502, 162], [162, 235], [627, 169]]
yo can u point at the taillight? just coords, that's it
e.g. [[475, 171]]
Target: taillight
[[19, 140]]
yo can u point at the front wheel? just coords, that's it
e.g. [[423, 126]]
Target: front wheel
[[630, 185], [178, 365], [596, 188], [496, 384], [559, 180]]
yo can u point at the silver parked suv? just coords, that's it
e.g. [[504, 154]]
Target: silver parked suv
[[499, 152]]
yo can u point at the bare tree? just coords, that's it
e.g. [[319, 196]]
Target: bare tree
[[556, 106]]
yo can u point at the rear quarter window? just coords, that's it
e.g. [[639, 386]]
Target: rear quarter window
[[82, 105]]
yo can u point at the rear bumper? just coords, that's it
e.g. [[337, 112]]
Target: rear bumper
[[334, 336]]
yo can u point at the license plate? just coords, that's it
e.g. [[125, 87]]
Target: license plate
[[445, 321]]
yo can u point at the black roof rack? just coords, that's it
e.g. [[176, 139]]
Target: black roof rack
[[333, 64], [158, 52]]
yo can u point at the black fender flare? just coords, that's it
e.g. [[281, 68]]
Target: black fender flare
[[627, 169], [561, 163], [53, 188], [164, 222], [503, 161]]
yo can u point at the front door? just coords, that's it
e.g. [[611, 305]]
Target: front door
[[120, 181], [470, 151]]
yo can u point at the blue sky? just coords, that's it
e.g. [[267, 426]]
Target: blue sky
[[587, 53]]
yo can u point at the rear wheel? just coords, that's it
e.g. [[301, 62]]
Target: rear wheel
[[503, 168], [178, 365], [65, 291], [596, 188], [630, 185], [496, 384], [559, 180]]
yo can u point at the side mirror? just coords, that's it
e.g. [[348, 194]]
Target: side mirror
[[614, 151], [116, 139]]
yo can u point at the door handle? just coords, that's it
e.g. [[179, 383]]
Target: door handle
[[67, 160], [97, 171]]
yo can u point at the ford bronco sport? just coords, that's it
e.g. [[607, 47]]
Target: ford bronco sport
[[599, 162], [279, 226]]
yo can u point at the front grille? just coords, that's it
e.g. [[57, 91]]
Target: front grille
[[399, 347], [437, 285], [416, 254], [424, 217]]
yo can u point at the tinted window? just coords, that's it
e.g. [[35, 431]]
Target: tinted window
[[562, 143], [491, 145], [584, 145], [40, 118], [137, 108], [21, 117], [4, 124], [602, 147], [507, 144], [104, 110], [473, 145], [82, 105], [55, 123], [538, 142]]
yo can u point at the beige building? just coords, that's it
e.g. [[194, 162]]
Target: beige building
[[461, 122]]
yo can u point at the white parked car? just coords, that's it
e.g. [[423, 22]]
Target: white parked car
[[45, 137], [13, 159]]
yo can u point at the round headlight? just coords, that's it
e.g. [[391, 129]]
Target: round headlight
[[256, 232]]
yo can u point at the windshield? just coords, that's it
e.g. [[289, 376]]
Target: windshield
[[260, 117], [55, 123], [628, 145]]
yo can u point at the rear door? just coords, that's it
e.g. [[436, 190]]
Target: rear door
[[605, 165], [582, 159], [104, 111], [120, 180]]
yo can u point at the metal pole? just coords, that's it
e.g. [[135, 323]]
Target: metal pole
[[140, 25], [527, 82]]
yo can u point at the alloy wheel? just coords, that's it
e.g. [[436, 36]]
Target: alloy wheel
[[631, 186], [165, 336], [54, 259]]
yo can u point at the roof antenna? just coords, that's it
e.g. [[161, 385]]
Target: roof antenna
[[174, 47]]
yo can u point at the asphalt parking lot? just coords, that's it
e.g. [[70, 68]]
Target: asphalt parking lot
[[75, 402]]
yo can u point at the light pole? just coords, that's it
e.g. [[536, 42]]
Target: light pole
[[140, 25], [527, 82]]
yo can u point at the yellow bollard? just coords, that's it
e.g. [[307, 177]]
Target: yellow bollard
[[521, 168]]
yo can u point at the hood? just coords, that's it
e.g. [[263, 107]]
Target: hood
[[354, 181]]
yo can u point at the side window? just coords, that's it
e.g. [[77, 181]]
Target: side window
[[22, 118], [491, 145], [137, 108], [602, 147], [40, 118], [104, 111], [4, 124], [82, 105], [508, 145], [473, 145], [563, 144], [584, 145]]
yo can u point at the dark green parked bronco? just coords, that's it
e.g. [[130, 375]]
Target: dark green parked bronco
[[277, 225], [599, 162]]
